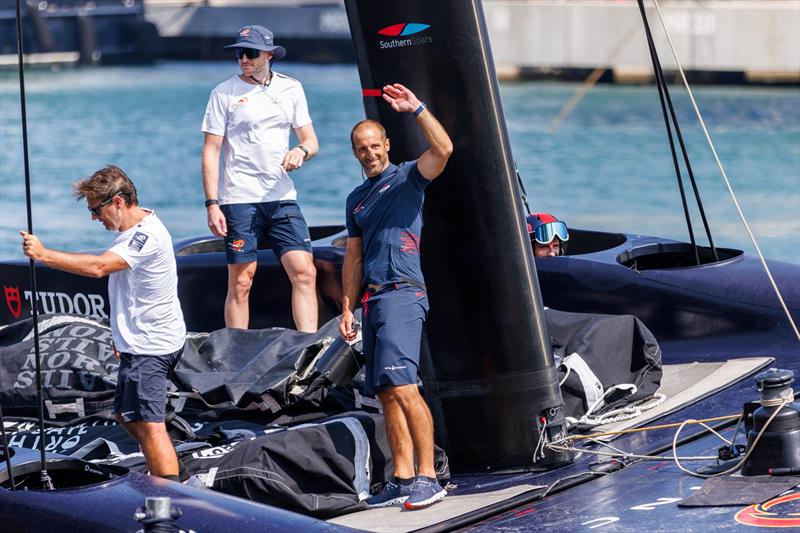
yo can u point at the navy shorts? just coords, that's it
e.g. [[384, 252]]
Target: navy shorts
[[142, 386], [391, 331], [280, 224]]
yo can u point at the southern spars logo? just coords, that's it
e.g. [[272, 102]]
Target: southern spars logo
[[404, 34]]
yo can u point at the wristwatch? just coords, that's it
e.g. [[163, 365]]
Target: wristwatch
[[305, 152]]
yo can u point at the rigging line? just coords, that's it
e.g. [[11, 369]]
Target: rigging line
[[725, 176], [646, 428], [6, 450], [522, 188], [686, 161], [47, 483], [735, 467], [661, 83]]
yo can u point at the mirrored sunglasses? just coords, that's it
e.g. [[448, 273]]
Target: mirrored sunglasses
[[545, 233], [250, 53], [96, 209]]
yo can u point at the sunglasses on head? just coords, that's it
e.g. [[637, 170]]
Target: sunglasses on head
[[96, 209], [548, 231], [250, 53]]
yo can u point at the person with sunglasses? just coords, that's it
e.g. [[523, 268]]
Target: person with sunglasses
[[248, 120], [147, 324], [548, 235]]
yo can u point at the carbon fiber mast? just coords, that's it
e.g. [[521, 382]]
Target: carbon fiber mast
[[492, 386], [47, 483]]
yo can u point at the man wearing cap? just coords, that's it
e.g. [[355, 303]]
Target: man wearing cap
[[248, 118], [384, 223], [548, 235]]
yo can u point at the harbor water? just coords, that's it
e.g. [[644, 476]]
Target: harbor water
[[606, 167]]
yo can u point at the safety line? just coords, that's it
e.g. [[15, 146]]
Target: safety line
[[725, 176]]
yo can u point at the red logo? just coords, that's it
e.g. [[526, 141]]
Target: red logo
[[245, 32], [237, 245], [403, 29], [13, 301], [242, 101], [774, 513], [409, 243]]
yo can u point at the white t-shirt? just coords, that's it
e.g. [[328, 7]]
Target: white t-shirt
[[146, 316], [255, 122]]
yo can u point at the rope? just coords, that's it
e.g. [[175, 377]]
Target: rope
[[622, 414], [780, 403], [725, 176], [648, 428], [738, 465]]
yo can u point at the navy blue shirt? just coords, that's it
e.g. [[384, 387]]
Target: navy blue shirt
[[386, 212]]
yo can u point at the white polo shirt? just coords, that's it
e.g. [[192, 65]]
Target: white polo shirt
[[255, 122], [146, 316]]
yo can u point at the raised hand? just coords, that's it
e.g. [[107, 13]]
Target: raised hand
[[400, 98]]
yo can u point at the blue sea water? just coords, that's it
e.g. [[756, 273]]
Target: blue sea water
[[607, 167]]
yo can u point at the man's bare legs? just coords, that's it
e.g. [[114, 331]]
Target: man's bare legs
[[237, 302], [409, 426], [299, 266], [159, 454]]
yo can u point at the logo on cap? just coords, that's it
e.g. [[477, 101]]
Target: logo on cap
[[245, 32]]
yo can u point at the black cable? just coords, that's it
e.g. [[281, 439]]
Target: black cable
[[47, 483], [6, 450], [662, 87], [522, 189], [688, 164]]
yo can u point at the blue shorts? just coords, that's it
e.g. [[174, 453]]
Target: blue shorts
[[280, 224], [392, 318], [142, 386]]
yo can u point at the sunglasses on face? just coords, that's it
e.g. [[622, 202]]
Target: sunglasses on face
[[99, 207], [249, 53], [545, 233]]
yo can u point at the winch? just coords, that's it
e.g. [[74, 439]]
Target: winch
[[773, 431]]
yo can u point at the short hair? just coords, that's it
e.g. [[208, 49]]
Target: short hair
[[105, 183], [367, 122]]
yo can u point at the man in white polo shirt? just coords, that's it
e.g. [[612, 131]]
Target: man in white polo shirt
[[146, 319], [249, 117]]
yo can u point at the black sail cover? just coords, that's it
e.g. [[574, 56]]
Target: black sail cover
[[261, 414], [493, 380], [267, 415]]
